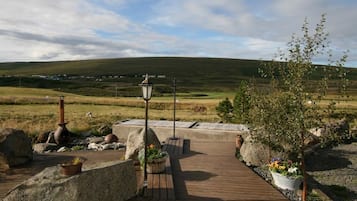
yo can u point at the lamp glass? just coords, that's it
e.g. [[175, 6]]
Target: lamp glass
[[147, 90]]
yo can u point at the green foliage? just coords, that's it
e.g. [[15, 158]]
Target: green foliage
[[152, 153], [276, 114], [225, 110], [290, 107], [239, 110], [241, 104], [77, 148]]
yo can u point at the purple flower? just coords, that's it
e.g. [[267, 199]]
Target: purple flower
[[275, 159]]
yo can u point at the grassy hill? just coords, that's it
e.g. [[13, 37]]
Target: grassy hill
[[192, 74], [178, 66]]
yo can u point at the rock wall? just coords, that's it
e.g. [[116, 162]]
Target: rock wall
[[108, 181]]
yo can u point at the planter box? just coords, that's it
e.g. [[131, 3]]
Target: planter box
[[156, 166], [285, 182]]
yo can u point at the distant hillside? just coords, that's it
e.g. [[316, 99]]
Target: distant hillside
[[178, 66], [211, 74]]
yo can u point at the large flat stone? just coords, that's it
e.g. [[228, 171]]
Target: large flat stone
[[107, 181]]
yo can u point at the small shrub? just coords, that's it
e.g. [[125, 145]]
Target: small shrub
[[77, 148], [224, 110]]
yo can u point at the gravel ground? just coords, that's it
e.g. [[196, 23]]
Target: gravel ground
[[263, 172], [336, 170], [333, 171]]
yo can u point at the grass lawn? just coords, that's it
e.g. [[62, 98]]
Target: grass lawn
[[36, 110]]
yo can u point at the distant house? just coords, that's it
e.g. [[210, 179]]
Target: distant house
[[40, 76]]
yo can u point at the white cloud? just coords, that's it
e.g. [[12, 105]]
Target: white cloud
[[270, 21], [67, 29], [60, 30]]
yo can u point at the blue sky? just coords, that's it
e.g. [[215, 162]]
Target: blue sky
[[47, 30]]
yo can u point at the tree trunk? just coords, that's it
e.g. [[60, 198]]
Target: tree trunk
[[304, 188]]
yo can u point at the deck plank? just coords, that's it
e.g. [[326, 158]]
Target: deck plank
[[169, 182], [155, 186], [211, 172]]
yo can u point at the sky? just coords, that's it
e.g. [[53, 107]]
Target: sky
[[49, 30]]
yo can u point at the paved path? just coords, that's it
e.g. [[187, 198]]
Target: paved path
[[210, 171]]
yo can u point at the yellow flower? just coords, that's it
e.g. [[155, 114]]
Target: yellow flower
[[76, 161], [282, 167], [151, 146]]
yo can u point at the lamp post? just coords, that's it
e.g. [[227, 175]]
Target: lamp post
[[174, 122], [147, 90]]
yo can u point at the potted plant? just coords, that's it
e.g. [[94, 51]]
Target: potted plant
[[156, 159], [286, 173], [73, 167]]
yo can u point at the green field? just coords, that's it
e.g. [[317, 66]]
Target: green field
[[97, 77], [109, 89], [36, 110]]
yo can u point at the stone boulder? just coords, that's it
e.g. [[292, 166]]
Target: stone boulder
[[15, 147], [108, 181], [136, 142], [44, 147], [96, 140], [4, 165], [254, 153], [110, 138], [311, 139], [339, 128], [42, 137], [257, 154]]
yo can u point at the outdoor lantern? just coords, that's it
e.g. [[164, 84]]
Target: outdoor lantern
[[147, 88]]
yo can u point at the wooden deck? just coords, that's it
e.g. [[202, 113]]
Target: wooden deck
[[161, 186], [206, 171], [210, 171]]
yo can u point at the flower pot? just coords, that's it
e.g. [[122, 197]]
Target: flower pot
[[239, 141], [156, 165], [285, 182], [71, 169]]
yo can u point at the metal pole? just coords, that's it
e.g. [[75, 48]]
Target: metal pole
[[146, 141], [174, 126]]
